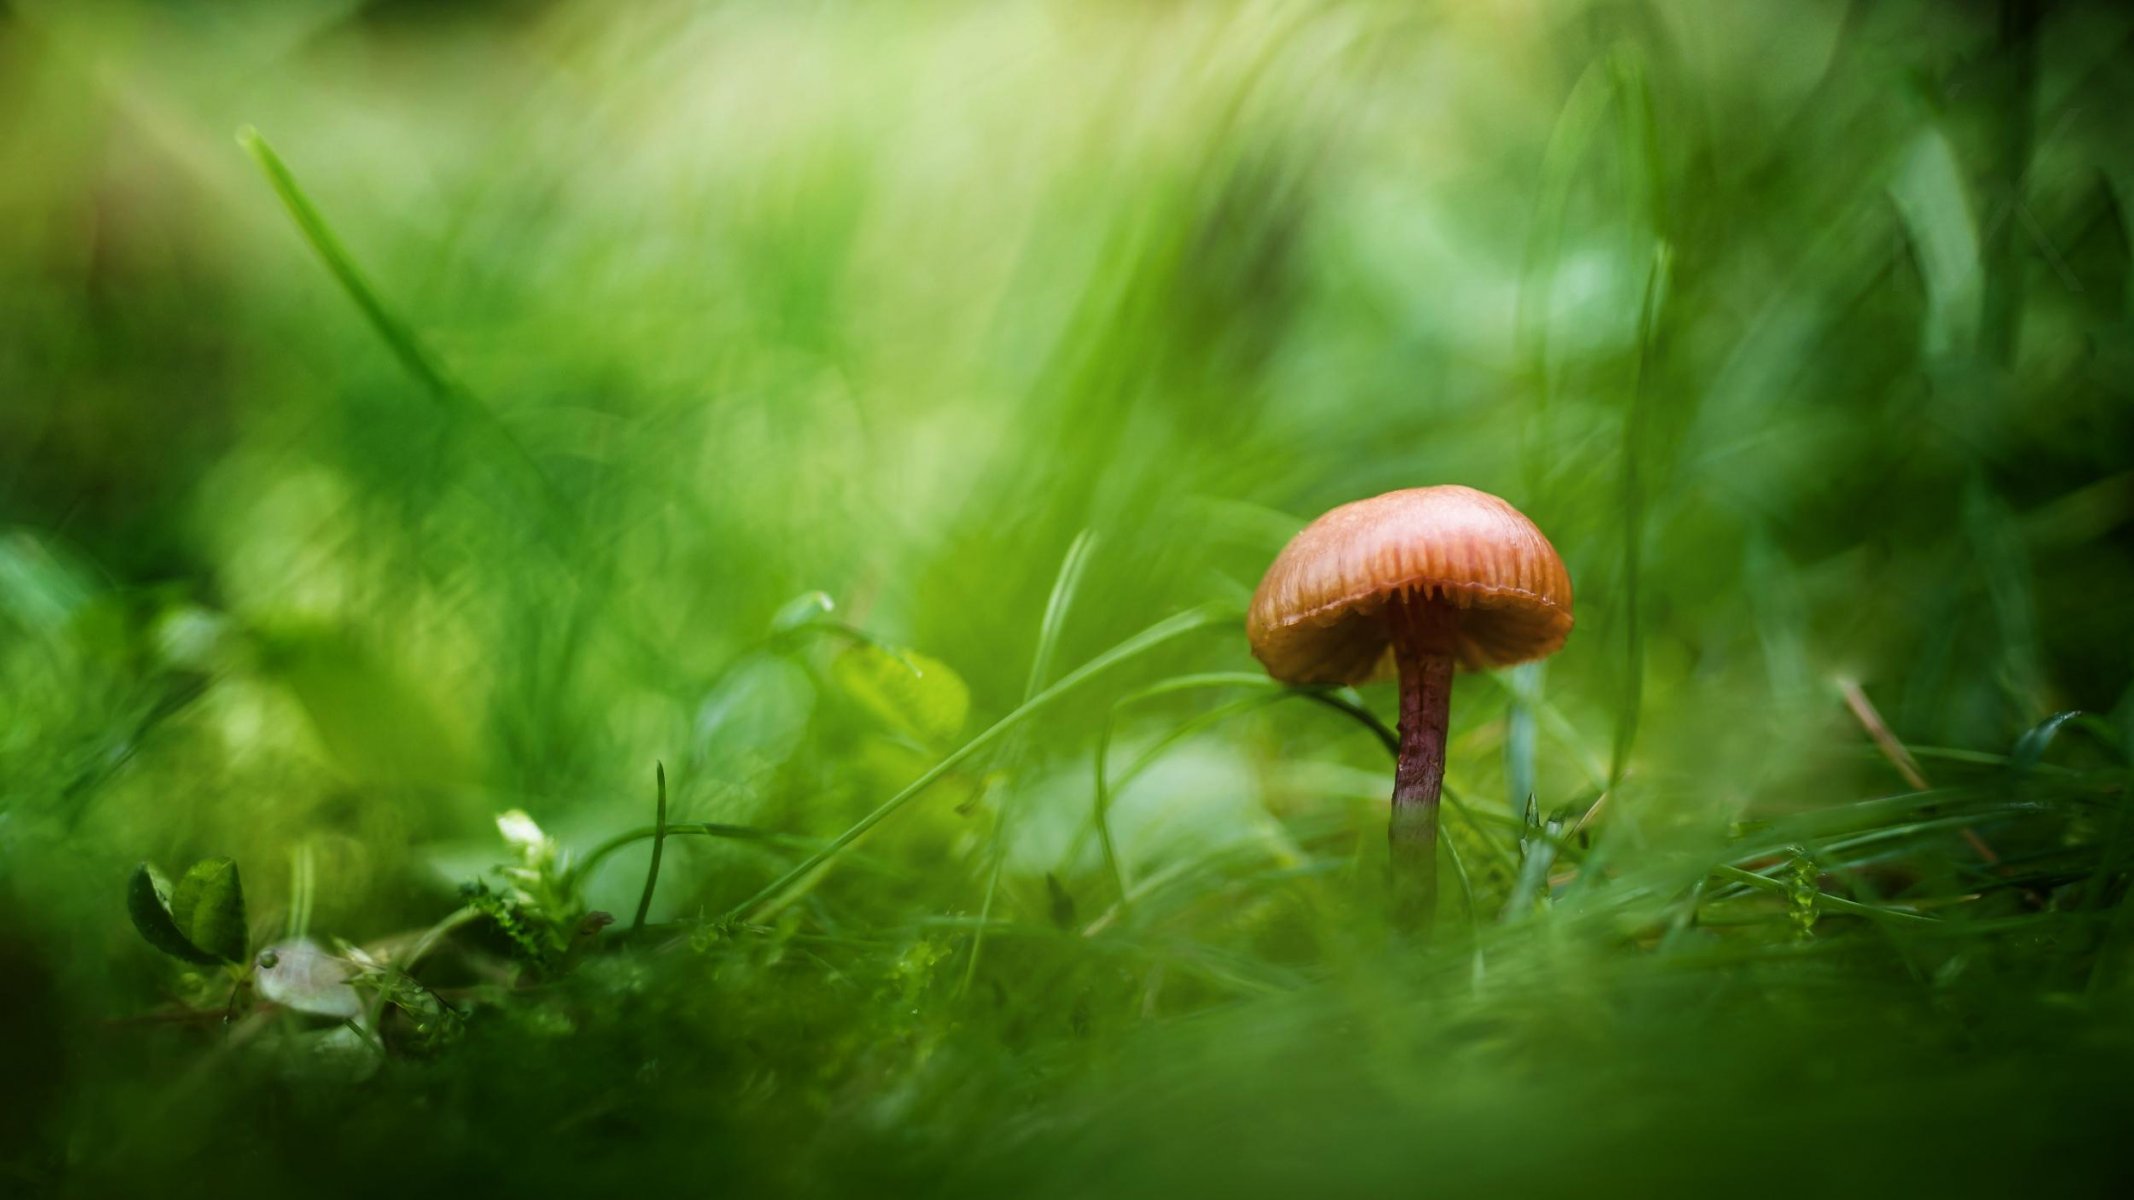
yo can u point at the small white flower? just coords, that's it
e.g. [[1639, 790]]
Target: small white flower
[[524, 836], [534, 846]]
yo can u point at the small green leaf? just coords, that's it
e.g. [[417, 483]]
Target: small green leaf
[[148, 903], [1932, 200], [804, 609], [905, 690], [208, 908]]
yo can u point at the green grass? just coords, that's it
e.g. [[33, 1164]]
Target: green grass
[[876, 418]]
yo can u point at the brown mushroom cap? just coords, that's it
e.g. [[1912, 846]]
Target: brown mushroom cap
[[1316, 617]]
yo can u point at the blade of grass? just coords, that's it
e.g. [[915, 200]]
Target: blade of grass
[[395, 333], [1459, 872], [1870, 719], [1825, 899], [736, 833], [1342, 701], [773, 896], [1064, 587], [1057, 606], [302, 886], [398, 336], [1550, 718], [1574, 131], [1519, 735], [2002, 565], [1336, 699], [1107, 789], [659, 845], [1633, 507], [2095, 900]]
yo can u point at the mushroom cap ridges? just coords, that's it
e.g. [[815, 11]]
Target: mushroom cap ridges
[[1316, 616]]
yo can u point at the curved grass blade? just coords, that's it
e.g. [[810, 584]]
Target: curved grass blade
[[1341, 701], [1107, 790], [734, 833], [1576, 126], [303, 886], [2031, 747], [1057, 606], [1550, 719], [1520, 735], [1633, 502], [1825, 900], [327, 245], [1333, 699], [659, 846], [1457, 807], [784, 889], [397, 335], [1101, 806], [1064, 587]]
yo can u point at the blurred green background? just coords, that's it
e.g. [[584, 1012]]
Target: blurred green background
[[1802, 329]]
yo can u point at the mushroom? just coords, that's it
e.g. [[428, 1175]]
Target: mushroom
[[1418, 581]]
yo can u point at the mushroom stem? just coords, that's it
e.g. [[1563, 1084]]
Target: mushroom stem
[[1422, 633]]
